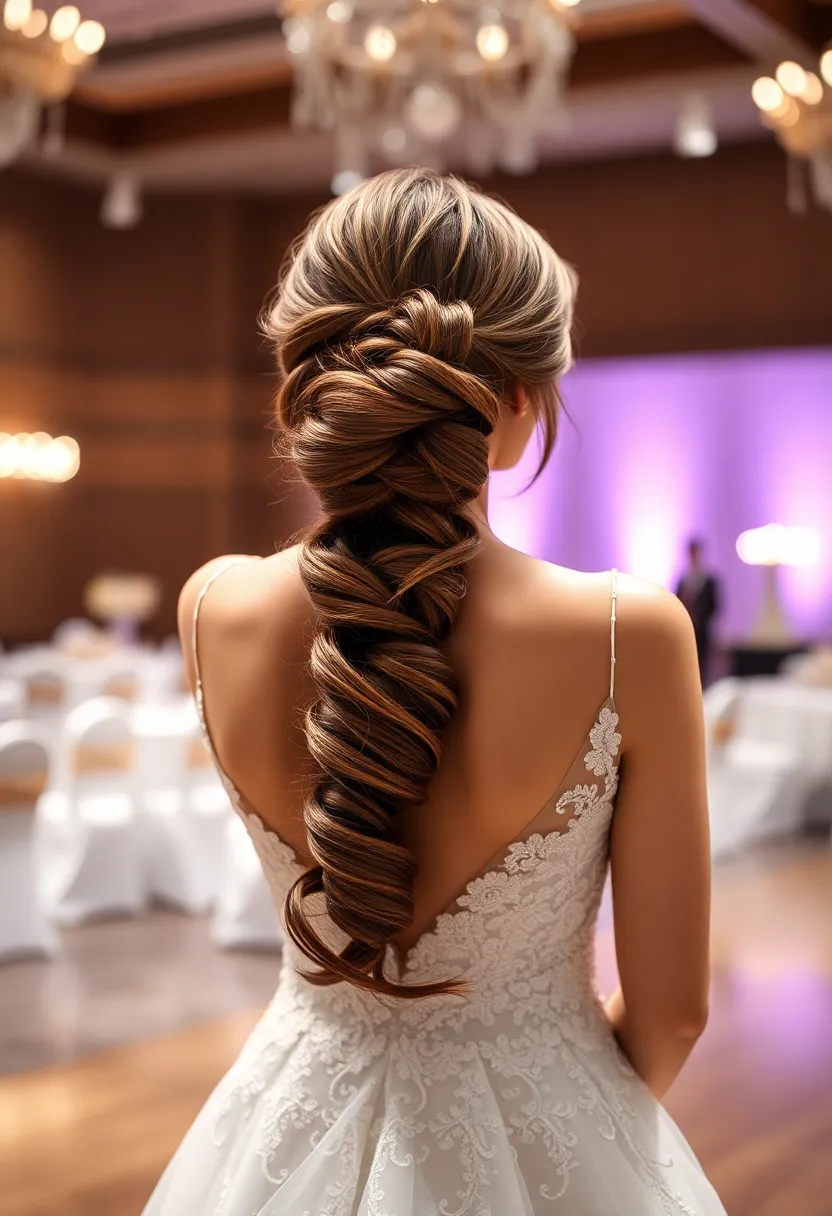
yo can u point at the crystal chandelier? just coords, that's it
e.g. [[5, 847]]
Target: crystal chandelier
[[404, 80], [40, 58], [797, 106]]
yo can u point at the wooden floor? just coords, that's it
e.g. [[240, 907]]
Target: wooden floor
[[90, 1138]]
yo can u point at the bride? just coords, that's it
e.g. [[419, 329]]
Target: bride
[[439, 746]]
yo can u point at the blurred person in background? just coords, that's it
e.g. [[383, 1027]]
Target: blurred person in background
[[700, 592], [391, 703]]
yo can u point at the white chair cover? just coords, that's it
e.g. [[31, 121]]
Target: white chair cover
[[91, 862], [12, 700], [24, 771], [755, 790], [245, 915], [184, 813]]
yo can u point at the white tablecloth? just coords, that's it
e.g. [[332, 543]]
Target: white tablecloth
[[775, 710]]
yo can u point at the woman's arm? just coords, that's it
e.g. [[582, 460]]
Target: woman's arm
[[660, 849]]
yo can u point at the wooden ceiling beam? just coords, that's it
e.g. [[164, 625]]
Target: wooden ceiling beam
[[765, 30]]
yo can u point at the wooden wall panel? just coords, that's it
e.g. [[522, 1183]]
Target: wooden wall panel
[[145, 346]]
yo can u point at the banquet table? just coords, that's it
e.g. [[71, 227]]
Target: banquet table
[[776, 710]]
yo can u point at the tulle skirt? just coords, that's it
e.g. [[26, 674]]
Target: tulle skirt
[[497, 1130]]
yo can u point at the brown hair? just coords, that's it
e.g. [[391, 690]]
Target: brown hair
[[406, 311]]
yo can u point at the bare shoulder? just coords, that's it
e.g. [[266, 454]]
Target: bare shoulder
[[652, 621], [246, 594]]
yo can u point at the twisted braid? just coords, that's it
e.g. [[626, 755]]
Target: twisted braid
[[386, 409]]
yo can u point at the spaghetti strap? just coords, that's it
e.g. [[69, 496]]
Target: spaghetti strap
[[614, 604]]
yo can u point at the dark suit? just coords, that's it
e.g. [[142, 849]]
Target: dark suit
[[701, 598]]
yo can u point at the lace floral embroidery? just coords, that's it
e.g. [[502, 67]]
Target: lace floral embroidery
[[525, 1064]]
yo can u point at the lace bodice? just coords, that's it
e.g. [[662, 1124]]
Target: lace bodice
[[472, 1092]]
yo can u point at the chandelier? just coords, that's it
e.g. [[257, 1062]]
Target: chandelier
[[797, 106], [40, 58], [409, 80]]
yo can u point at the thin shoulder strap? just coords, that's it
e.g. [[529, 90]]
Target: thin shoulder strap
[[199, 694], [614, 604]]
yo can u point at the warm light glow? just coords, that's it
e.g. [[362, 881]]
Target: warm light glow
[[345, 180], [826, 66], [791, 77], [72, 54], [777, 545], [339, 11], [89, 37], [36, 24], [39, 457], [812, 90], [565, 3], [492, 42], [64, 23], [16, 13], [380, 43], [767, 94], [788, 114]]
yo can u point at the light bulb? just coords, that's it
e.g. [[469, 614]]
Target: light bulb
[[344, 180], [121, 206], [791, 77], [433, 112], [36, 24], [89, 37], [64, 23], [695, 135], [16, 13], [492, 42], [380, 43], [812, 90], [826, 66], [767, 94], [297, 35]]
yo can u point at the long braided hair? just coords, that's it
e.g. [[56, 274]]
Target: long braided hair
[[407, 310]]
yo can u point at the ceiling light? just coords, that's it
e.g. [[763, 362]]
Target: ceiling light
[[344, 180], [89, 37], [826, 66], [64, 23], [767, 94], [380, 43], [791, 77], [16, 13], [121, 206], [812, 90], [695, 135], [36, 24], [492, 42]]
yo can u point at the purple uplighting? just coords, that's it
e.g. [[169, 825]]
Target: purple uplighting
[[663, 448]]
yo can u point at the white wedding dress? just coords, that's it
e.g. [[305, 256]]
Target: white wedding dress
[[513, 1100]]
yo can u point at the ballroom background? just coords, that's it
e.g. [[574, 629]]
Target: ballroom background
[[145, 212]]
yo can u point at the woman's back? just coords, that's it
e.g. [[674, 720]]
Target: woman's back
[[437, 746], [531, 650]]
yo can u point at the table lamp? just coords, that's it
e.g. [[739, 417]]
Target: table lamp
[[773, 546]]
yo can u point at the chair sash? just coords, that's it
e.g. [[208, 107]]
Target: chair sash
[[125, 687], [22, 790], [91, 759], [45, 692]]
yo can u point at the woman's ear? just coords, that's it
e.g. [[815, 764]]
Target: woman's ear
[[519, 399]]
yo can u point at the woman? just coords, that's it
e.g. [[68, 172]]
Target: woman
[[391, 703]]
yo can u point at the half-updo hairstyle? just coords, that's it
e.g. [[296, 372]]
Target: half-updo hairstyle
[[406, 312]]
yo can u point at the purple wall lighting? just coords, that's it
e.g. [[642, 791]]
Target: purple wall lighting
[[664, 448]]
